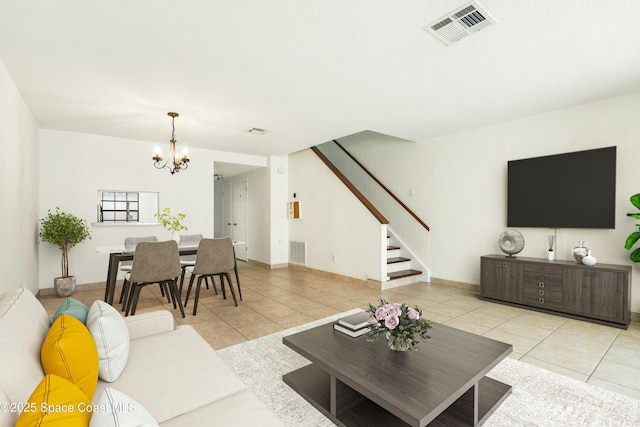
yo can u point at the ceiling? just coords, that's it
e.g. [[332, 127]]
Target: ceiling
[[308, 71]]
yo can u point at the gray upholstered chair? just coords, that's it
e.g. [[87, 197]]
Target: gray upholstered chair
[[215, 258], [129, 248], [154, 262], [188, 240]]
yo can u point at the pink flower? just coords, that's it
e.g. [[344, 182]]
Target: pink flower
[[372, 319], [391, 321], [394, 310], [381, 313], [412, 314]]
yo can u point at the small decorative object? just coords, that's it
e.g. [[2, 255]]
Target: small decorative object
[[635, 236], [66, 231], [551, 254], [171, 223], [353, 325], [588, 259], [580, 251], [511, 242], [400, 324]]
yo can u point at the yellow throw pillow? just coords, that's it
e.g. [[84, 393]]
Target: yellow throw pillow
[[70, 352], [56, 402]]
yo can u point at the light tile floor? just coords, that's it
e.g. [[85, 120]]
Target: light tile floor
[[274, 300]]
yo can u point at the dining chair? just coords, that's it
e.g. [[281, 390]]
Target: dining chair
[[188, 240], [215, 258], [129, 248], [154, 262]]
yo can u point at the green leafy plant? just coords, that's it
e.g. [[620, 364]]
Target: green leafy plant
[[66, 231], [171, 223], [635, 236]]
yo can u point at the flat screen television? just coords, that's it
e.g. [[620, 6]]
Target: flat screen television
[[571, 190]]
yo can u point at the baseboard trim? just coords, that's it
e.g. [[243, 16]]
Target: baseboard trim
[[265, 265], [454, 284], [82, 287], [330, 275]]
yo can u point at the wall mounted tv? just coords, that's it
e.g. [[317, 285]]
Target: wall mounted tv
[[571, 190]]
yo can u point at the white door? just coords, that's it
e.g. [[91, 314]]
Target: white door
[[227, 210], [240, 214]]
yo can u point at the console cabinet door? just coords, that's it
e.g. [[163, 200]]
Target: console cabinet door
[[594, 293], [576, 291], [501, 280], [607, 295]]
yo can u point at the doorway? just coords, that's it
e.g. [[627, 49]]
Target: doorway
[[235, 209]]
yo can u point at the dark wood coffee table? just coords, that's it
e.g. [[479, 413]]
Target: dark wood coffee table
[[358, 383]]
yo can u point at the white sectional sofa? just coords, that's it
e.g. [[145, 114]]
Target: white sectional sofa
[[171, 371]]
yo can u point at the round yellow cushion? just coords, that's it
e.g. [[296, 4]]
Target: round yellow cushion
[[70, 352], [56, 402]]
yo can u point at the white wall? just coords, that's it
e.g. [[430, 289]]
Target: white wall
[[74, 166], [279, 225], [18, 189], [333, 221], [460, 183]]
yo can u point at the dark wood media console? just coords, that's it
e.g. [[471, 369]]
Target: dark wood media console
[[598, 293]]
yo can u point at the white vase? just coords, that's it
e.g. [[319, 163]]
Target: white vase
[[551, 255], [589, 259]]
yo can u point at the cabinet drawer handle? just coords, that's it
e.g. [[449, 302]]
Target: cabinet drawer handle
[[499, 264], [541, 300], [540, 292], [541, 284], [504, 264]]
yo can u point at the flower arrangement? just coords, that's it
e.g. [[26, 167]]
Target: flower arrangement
[[401, 324]]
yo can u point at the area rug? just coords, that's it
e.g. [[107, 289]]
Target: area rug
[[538, 397]]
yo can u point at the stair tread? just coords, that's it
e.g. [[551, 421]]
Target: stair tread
[[403, 273], [391, 248], [397, 259]]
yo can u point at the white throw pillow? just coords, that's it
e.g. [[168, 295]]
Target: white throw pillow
[[116, 409], [110, 332]]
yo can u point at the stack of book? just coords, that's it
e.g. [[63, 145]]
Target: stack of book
[[353, 325]]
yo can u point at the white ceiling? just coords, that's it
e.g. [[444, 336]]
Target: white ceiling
[[308, 71]]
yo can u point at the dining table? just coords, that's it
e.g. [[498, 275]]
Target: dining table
[[117, 254]]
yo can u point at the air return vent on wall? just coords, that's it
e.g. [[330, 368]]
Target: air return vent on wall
[[298, 252], [460, 23]]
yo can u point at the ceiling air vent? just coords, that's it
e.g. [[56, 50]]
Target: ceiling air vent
[[460, 23]]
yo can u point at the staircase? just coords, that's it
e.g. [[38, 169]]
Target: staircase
[[407, 242], [399, 269]]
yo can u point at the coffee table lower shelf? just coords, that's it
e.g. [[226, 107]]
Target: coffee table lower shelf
[[314, 385]]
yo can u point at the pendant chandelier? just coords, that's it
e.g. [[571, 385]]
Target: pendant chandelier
[[178, 161]]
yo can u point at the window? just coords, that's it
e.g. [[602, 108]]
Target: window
[[119, 206]]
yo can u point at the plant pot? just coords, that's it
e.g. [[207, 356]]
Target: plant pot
[[64, 286]]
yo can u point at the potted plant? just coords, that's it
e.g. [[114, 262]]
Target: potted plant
[[635, 236], [66, 231], [171, 223]]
